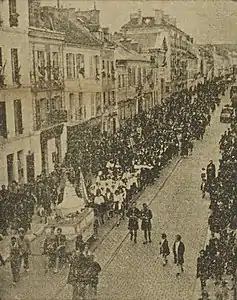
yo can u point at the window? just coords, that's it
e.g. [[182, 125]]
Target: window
[[1, 70], [123, 80], [98, 103], [129, 76], [119, 81], [104, 99], [112, 67], [108, 71], [43, 111], [49, 66], [91, 71], [18, 117], [73, 66], [0, 58], [55, 66], [113, 98], [139, 76], [93, 104], [13, 15], [70, 63], [133, 76], [80, 69], [10, 168], [109, 102], [80, 98], [55, 59], [41, 64], [15, 66], [20, 164], [72, 105], [97, 65], [144, 76], [3, 120]]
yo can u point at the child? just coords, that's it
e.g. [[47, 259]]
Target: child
[[164, 249], [203, 174], [204, 187]]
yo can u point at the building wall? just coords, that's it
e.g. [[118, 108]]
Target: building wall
[[15, 37], [79, 89]]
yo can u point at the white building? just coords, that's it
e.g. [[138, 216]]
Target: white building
[[16, 122]]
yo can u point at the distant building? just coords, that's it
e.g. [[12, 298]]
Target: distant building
[[172, 48], [137, 82]]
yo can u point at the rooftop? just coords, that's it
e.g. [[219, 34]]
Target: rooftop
[[63, 20]]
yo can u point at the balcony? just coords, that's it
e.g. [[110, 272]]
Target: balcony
[[2, 81], [13, 19], [52, 79], [53, 117]]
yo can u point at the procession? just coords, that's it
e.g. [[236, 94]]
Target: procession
[[118, 150]]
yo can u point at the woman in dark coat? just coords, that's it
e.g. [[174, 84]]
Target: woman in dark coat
[[133, 215], [146, 216], [164, 249]]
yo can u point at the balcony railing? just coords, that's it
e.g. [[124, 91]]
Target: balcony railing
[[53, 117], [2, 81], [13, 19], [52, 79]]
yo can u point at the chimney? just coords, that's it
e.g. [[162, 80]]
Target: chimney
[[166, 18], [159, 14], [136, 18], [173, 21], [126, 43], [139, 13], [135, 46]]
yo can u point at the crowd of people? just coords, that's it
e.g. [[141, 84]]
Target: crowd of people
[[131, 159], [219, 258], [125, 164], [19, 202]]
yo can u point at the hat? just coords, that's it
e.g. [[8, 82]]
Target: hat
[[21, 230]]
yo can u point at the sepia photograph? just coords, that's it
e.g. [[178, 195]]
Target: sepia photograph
[[118, 150]]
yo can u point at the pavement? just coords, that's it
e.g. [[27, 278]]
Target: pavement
[[135, 271]]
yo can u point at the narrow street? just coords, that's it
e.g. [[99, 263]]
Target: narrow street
[[128, 269]]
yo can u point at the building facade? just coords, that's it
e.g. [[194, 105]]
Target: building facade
[[16, 122], [137, 85], [170, 47]]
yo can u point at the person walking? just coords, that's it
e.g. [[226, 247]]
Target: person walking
[[202, 269], [178, 251], [76, 275], [49, 250], [133, 215], [25, 249], [60, 250], [15, 260], [164, 249], [146, 216], [94, 270]]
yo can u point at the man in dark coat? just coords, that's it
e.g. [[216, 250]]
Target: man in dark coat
[[164, 249], [133, 215], [211, 171], [146, 216], [202, 269], [93, 277], [76, 277], [178, 251]]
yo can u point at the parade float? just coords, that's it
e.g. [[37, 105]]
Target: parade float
[[73, 215]]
